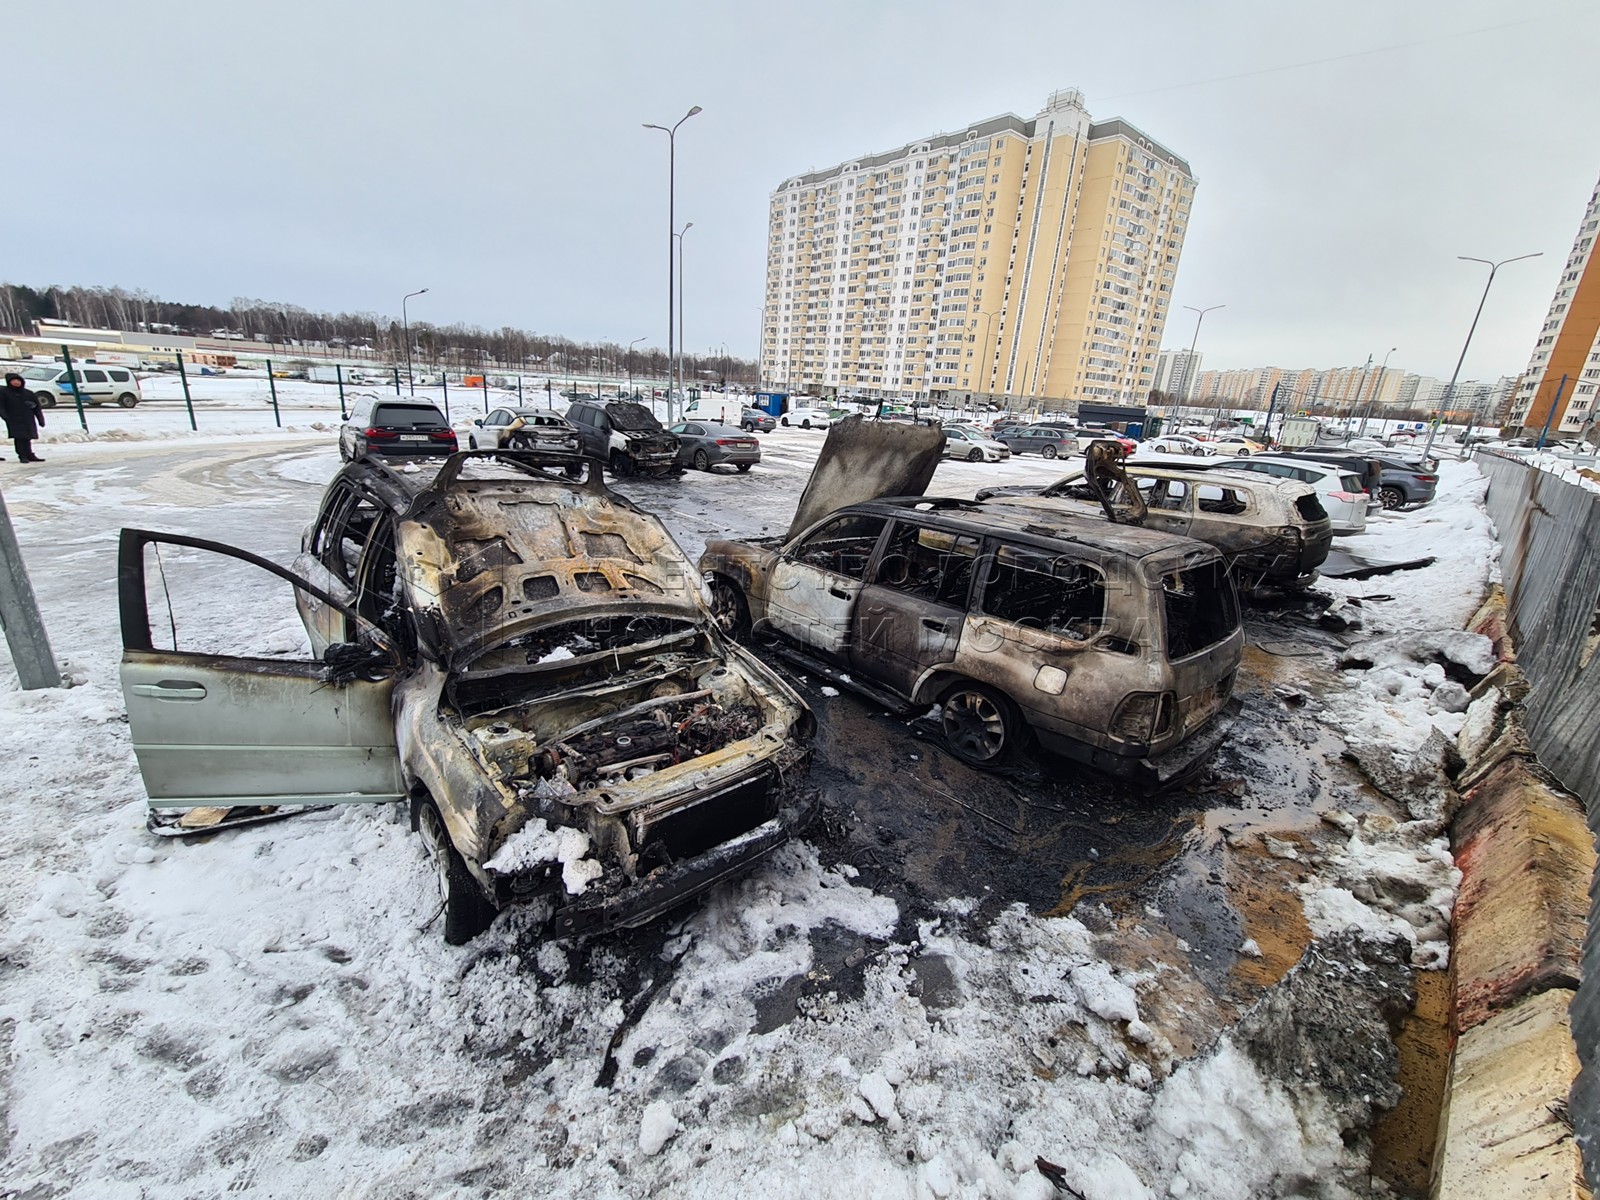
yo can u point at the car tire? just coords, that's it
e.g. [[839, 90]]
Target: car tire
[[975, 455], [729, 608], [1243, 452], [743, 466], [467, 912], [805, 424], [786, 422], [472, 442], [621, 468], [1391, 498], [45, 399], [127, 399], [344, 455], [701, 461], [1048, 452], [747, 427], [981, 726]]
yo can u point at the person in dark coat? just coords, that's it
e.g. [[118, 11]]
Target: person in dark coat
[[23, 416]]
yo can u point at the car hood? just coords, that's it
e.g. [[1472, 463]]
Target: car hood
[[865, 460], [484, 563]]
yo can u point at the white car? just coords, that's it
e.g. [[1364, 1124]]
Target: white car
[[972, 444], [1175, 443], [1241, 447], [806, 418], [1339, 490], [98, 383]]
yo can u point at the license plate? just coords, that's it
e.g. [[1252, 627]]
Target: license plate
[[414, 437]]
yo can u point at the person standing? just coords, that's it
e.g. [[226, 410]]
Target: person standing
[[23, 416]]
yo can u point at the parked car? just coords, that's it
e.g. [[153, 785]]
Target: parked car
[[963, 441], [1237, 447], [626, 437], [1398, 482], [1088, 437], [753, 420], [529, 663], [1175, 443], [702, 445], [807, 418], [51, 385], [1269, 530], [540, 430], [1047, 441], [394, 429], [1113, 645], [1341, 491]]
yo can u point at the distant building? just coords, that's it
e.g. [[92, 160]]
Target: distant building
[[1174, 369], [1558, 388], [1013, 260]]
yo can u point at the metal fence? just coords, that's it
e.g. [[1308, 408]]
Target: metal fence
[[1549, 532]]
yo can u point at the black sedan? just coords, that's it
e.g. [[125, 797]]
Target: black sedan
[[702, 445]]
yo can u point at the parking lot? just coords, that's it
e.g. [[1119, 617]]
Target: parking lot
[[956, 973]]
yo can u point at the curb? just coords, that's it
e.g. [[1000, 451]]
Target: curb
[[1526, 859]]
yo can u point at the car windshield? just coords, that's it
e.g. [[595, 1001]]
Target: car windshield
[[41, 372], [633, 417], [414, 416], [1201, 608]]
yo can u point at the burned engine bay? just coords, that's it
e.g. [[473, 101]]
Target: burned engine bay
[[642, 731]]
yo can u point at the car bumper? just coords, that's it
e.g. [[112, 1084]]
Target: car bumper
[[752, 455], [1178, 763], [668, 887], [410, 449]]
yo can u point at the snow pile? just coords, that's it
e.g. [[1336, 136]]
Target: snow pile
[[536, 843]]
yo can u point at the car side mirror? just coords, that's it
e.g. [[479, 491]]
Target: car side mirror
[[478, 421]]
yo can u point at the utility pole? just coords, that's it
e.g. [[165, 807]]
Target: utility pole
[[1361, 384], [19, 611]]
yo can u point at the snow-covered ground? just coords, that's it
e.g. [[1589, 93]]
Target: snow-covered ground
[[273, 1011]]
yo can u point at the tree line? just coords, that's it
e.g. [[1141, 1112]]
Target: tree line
[[360, 335]]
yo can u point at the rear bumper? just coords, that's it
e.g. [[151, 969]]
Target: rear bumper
[[668, 887], [1158, 770]]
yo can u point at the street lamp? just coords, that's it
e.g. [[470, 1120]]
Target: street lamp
[[672, 225], [1450, 389], [631, 345], [405, 332], [1372, 399], [1188, 370], [988, 317], [687, 225]]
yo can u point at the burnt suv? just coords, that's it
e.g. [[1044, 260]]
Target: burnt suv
[[529, 662], [1115, 646], [626, 437]]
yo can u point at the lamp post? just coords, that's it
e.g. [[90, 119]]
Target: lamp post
[[405, 332], [1372, 399], [687, 225], [631, 345], [672, 225], [988, 318], [1188, 369], [1450, 389]]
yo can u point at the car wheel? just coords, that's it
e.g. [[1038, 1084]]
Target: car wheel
[[980, 726], [45, 399], [1243, 453], [975, 456], [1048, 452], [1391, 497], [127, 399], [805, 424], [344, 455], [701, 461], [747, 427], [729, 607], [786, 422], [621, 468], [743, 466], [467, 912], [472, 442]]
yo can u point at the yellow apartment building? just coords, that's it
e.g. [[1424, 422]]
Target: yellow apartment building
[[1014, 261]]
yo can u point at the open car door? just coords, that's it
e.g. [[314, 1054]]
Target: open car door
[[238, 718]]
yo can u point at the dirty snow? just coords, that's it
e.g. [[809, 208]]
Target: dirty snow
[[272, 1010]]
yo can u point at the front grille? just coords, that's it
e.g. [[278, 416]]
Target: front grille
[[688, 832]]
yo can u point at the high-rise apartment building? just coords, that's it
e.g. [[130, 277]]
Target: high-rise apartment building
[[1016, 259], [1176, 371], [1569, 344]]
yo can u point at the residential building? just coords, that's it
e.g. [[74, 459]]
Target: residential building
[[1014, 260], [1174, 371], [1558, 388]]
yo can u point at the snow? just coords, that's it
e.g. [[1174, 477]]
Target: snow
[[281, 996]]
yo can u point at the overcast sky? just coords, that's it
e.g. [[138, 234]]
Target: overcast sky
[[338, 154]]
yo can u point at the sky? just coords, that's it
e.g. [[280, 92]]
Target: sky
[[338, 155]]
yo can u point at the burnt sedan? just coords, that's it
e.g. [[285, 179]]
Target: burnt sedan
[[529, 662]]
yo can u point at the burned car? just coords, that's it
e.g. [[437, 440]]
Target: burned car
[[626, 437], [1114, 645], [1271, 531], [529, 661]]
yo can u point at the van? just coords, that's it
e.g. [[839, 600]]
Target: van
[[98, 383]]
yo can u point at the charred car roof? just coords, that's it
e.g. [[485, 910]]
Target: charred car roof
[[1097, 538]]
